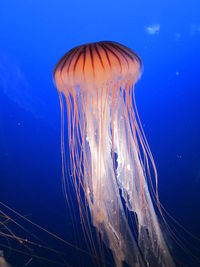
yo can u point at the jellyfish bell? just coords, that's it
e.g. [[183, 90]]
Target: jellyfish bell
[[93, 65], [109, 154]]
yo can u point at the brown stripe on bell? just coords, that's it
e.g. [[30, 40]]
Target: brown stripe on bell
[[97, 64]]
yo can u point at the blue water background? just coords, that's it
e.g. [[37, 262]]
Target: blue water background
[[33, 37]]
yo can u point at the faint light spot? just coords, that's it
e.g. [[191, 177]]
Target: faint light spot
[[177, 36], [194, 29], [15, 85], [128, 167], [177, 73], [179, 156], [19, 124], [153, 29]]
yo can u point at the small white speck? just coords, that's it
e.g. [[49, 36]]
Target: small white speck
[[88, 190], [128, 167], [153, 29], [177, 36], [177, 73]]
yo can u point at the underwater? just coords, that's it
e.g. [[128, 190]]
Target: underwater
[[99, 135]]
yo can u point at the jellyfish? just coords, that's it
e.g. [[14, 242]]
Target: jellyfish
[[111, 162]]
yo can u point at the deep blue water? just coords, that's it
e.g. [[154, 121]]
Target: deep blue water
[[34, 35]]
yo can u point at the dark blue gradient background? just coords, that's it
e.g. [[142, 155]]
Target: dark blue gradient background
[[33, 37]]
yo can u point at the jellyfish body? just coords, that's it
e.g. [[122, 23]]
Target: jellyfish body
[[108, 150]]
